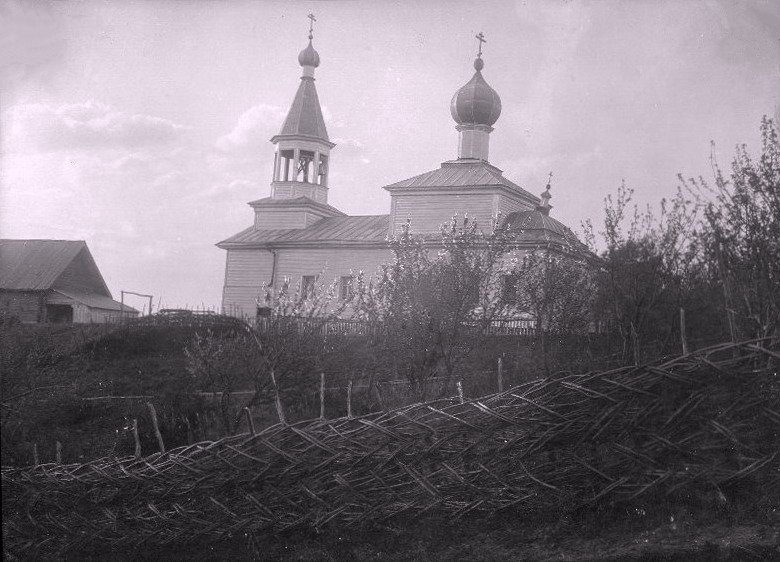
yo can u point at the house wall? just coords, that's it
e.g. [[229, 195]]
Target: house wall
[[24, 305], [82, 313]]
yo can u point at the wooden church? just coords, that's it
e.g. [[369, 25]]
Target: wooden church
[[296, 235]]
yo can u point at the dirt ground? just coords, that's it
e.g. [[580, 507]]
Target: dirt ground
[[496, 541]]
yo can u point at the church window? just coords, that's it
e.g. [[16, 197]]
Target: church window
[[305, 166], [509, 289], [307, 286], [346, 287], [323, 170], [287, 157]]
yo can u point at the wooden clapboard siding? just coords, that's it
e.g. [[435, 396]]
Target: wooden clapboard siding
[[507, 205], [267, 219], [430, 210], [331, 263], [247, 274], [271, 219], [248, 268], [24, 305], [241, 302]]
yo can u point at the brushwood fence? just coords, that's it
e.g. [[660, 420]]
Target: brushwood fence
[[702, 425]]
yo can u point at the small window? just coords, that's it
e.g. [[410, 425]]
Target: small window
[[287, 157], [305, 166], [346, 287], [323, 171], [509, 289], [307, 286]]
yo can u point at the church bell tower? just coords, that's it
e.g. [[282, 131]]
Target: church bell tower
[[302, 146]]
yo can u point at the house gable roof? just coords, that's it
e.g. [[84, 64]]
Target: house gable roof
[[36, 265]]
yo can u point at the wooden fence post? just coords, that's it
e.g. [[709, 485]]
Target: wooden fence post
[[278, 399], [58, 452], [322, 395], [379, 397], [136, 439], [500, 374], [349, 398], [190, 435], [249, 421], [156, 426], [682, 332], [460, 391]]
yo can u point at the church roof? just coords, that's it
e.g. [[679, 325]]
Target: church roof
[[338, 230], [539, 228], [293, 202], [305, 115], [463, 173]]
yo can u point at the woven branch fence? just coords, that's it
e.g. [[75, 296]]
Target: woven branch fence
[[704, 423]]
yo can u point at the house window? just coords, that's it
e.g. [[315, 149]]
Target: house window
[[346, 287], [307, 286]]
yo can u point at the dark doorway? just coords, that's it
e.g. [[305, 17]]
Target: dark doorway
[[59, 313]]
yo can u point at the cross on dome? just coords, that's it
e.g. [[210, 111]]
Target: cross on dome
[[311, 25], [309, 56], [481, 38], [479, 64]]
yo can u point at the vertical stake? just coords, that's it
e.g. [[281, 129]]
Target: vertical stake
[[460, 392], [190, 435], [500, 374], [322, 395], [136, 439], [36, 460], [279, 409], [682, 332], [349, 398], [249, 421], [200, 426], [156, 426], [379, 397], [58, 453]]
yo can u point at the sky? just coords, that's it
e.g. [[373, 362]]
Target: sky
[[143, 127]]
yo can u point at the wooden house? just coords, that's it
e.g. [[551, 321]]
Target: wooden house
[[54, 281], [297, 235]]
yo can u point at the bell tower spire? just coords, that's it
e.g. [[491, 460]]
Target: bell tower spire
[[302, 146]]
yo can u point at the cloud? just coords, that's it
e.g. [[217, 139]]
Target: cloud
[[32, 45], [91, 125], [253, 129]]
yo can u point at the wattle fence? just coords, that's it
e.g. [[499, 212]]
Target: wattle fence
[[704, 425]]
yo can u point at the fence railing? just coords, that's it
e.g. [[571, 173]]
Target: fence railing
[[339, 326]]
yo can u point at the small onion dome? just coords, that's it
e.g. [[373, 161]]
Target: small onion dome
[[476, 103], [309, 56]]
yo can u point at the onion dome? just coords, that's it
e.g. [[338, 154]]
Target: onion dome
[[476, 103], [309, 56]]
